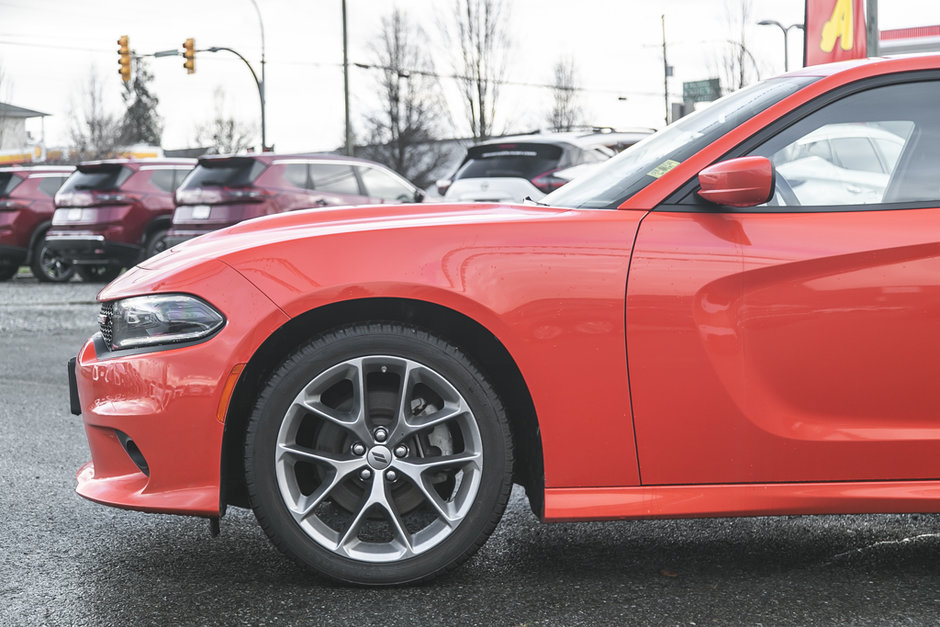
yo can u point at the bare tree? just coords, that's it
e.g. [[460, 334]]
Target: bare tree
[[401, 134], [223, 134], [94, 131], [481, 41], [566, 110], [141, 122], [3, 97], [736, 66]]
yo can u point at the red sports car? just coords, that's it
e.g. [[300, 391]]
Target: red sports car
[[737, 316]]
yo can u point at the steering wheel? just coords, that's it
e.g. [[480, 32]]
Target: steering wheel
[[784, 195]]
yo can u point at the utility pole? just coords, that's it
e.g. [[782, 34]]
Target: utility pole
[[665, 71], [871, 28], [349, 151]]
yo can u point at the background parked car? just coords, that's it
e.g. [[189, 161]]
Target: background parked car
[[224, 190], [111, 214], [516, 167], [25, 213]]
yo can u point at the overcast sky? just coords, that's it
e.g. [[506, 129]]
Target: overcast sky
[[48, 48]]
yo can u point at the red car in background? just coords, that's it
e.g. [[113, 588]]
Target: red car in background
[[224, 190], [685, 332], [111, 214], [25, 212]]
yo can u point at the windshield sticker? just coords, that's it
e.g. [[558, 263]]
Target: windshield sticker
[[662, 168]]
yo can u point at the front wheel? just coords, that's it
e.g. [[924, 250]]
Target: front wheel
[[155, 244], [48, 265], [99, 273], [378, 454]]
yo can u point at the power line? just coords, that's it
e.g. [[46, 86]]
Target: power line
[[402, 72]]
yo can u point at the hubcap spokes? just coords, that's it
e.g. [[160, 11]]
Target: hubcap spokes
[[379, 458]]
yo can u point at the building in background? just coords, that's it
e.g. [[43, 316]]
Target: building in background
[[16, 144]]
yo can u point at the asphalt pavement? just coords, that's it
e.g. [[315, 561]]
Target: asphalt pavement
[[67, 561]]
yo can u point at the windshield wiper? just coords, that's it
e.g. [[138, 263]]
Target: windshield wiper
[[534, 202]]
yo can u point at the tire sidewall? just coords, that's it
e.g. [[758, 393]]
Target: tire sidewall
[[325, 352]]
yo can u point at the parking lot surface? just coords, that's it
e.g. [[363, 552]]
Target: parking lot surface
[[66, 561]]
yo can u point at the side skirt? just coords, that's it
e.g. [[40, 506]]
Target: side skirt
[[757, 499]]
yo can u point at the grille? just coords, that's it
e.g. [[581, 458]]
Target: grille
[[104, 322]]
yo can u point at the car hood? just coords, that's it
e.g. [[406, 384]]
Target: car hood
[[239, 241]]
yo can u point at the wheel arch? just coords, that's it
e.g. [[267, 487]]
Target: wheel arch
[[160, 222], [34, 237], [480, 345]]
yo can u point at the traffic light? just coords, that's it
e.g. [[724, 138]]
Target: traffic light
[[189, 53], [124, 58]]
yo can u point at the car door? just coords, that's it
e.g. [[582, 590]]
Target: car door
[[797, 341]]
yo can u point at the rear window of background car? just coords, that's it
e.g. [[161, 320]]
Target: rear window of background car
[[509, 160], [224, 173], [99, 177]]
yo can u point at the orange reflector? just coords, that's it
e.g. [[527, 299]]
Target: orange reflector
[[228, 390]]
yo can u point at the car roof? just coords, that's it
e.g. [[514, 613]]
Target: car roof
[[587, 138], [30, 169], [271, 157], [136, 163], [829, 69]]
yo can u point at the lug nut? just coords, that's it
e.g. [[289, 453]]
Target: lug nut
[[391, 475], [401, 450], [358, 449], [365, 474], [380, 434]]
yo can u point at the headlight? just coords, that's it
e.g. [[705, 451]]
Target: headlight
[[161, 319]]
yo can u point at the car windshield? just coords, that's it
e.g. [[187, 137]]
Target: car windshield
[[521, 160], [97, 178], [644, 162], [223, 173], [8, 182]]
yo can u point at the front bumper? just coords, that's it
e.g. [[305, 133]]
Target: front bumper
[[151, 416], [12, 256]]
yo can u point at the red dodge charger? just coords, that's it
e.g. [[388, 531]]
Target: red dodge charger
[[737, 316]]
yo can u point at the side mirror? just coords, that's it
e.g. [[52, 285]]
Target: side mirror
[[741, 182], [419, 195], [443, 185]]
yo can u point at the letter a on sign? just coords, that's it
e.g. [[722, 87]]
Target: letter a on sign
[[835, 31]]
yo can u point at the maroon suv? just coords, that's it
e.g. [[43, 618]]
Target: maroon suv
[[25, 213], [111, 214], [224, 190]]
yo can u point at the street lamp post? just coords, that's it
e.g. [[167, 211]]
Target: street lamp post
[[786, 32], [261, 83]]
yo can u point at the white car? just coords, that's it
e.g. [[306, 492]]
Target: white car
[[840, 160], [511, 169]]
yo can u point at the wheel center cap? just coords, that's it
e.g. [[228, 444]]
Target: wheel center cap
[[379, 457]]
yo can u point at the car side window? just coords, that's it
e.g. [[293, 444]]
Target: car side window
[[380, 184], [871, 147], [335, 178], [295, 174], [162, 179], [49, 185]]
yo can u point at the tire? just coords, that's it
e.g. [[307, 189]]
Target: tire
[[8, 272], [363, 506], [49, 266], [155, 244], [99, 273]]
